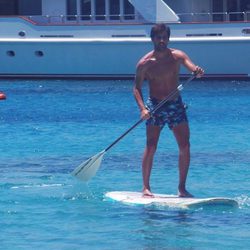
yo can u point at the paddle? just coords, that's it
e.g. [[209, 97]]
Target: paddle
[[86, 170]]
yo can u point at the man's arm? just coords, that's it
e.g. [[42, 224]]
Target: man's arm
[[137, 90], [186, 61]]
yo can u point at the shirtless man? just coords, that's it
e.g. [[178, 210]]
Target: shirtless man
[[160, 68]]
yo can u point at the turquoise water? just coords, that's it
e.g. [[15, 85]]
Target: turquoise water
[[49, 127]]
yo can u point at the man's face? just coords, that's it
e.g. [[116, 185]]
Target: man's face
[[160, 41]]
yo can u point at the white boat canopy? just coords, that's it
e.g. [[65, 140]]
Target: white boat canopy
[[155, 11]]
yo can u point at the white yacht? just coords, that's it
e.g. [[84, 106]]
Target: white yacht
[[106, 38]]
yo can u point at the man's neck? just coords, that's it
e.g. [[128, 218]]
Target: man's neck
[[159, 54]]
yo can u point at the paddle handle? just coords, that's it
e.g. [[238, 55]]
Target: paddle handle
[[160, 104], [118, 139]]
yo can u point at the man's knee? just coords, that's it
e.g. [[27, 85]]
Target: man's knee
[[151, 146]]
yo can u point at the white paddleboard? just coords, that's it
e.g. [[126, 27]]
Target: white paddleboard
[[135, 198]]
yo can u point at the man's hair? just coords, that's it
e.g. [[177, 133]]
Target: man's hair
[[159, 28]]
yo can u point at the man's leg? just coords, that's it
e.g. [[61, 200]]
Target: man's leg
[[153, 133], [182, 135]]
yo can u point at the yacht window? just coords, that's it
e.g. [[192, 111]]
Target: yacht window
[[22, 33], [233, 9], [86, 9], [204, 34], [71, 9], [8, 7], [29, 7], [39, 53], [100, 9], [245, 5], [129, 10], [114, 9], [230, 10], [246, 31], [10, 53], [218, 15]]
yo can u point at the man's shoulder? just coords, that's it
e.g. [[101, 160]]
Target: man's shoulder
[[145, 59], [177, 52]]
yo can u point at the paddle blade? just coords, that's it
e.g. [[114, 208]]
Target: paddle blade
[[88, 169]]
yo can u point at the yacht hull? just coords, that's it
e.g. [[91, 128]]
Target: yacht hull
[[116, 58]]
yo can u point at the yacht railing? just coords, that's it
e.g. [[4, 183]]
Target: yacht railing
[[137, 18], [80, 19], [215, 17]]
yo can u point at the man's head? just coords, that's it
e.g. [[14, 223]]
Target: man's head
[[160, 34], [158, 29]]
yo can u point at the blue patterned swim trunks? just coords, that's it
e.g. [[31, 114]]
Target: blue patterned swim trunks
[[172, 112]]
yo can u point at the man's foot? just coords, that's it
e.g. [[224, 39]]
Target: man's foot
[[184, 193], [146, 193]]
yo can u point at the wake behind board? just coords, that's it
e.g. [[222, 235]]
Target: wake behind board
[[135, 198]]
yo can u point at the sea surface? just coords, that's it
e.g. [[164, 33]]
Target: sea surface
[[49, 127]]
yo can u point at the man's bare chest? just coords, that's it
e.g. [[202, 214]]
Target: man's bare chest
[[162, 69]]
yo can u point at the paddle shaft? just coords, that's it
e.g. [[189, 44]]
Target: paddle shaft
[[160, 104]]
